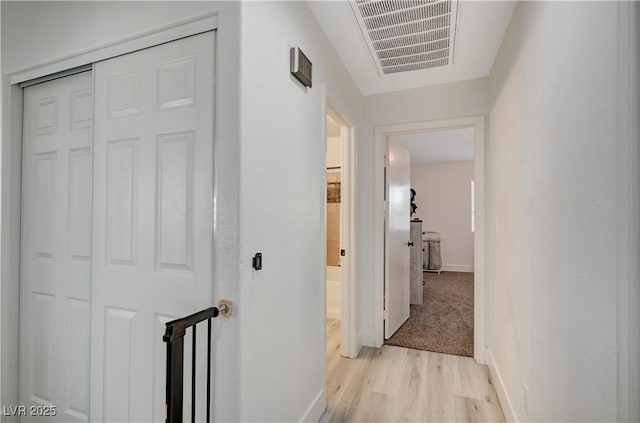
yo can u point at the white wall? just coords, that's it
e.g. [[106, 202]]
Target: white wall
[[34, 33], [443, 197], [334, 292], [447, 101], [334, 152], [81, 25], [283, 369], [551, 179]]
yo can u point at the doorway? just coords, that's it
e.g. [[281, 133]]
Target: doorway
[[340, 251], [441, 235], [382, 136], [335, 252]]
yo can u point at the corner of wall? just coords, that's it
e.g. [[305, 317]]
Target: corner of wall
[[316, 408], [1, 99], [503, 397], [10, 226], [365, 338], [628, 307], [465, 268]]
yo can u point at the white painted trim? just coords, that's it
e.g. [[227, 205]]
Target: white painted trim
[[382, 133], [57, 75], [479, 242], [366, 337], [316, 408], [467, 268], [349, 342], [11, 212], [628, 207], [190, 25], [504, 399]]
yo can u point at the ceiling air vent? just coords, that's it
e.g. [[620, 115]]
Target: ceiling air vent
[[408, 35]]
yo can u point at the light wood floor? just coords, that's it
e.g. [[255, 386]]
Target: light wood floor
[[395, 384]]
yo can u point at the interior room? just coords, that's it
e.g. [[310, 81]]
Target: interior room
[[442, 230]]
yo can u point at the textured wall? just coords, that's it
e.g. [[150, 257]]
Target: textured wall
[[551, 179], [282, 146]]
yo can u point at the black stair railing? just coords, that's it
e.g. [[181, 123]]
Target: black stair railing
[[174, 337]]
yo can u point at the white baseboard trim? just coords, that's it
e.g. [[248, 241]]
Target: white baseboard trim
[[458, 268], [316, 408], [498, 383], [365, 338], [334, 314]]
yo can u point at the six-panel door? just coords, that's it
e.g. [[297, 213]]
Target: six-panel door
[[152, 221], [56, 249]]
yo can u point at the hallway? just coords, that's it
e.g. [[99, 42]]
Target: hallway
[[401, 384], [176, 201]]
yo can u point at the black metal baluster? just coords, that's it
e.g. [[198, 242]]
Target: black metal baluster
[[174, 380], [209, 370], [193, 377]]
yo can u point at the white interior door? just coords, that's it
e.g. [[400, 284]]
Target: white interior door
[[397, 241], [56, 248], [153, 220]]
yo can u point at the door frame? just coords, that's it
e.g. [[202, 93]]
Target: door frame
[[11, 172], [348, 339], [628, 206], [381, 140]]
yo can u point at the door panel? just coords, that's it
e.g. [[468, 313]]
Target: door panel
[[56, 249], [398, 217], [152, 228]]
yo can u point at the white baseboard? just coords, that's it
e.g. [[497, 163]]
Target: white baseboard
[[365, 338], [334, 314], [458, 268], [316, 408], [503, 396]]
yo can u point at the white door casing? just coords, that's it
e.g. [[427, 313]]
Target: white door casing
[[56, 248], [347, 309], [382, 134], [398, 234], [153, 219]]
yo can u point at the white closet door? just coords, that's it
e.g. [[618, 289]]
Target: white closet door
[[56, 247], [152, 229]]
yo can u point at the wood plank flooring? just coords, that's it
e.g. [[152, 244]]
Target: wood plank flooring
[[395, 384]]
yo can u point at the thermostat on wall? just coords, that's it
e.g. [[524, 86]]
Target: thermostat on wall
[[300, 66]]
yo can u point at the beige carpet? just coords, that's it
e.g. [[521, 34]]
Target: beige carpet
[[444, 323]]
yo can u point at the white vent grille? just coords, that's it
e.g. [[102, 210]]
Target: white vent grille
[[408, 35]]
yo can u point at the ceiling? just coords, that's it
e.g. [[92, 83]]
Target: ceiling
[[451, 145], [481, 25]]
